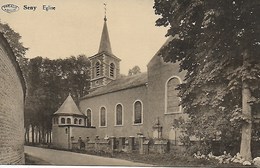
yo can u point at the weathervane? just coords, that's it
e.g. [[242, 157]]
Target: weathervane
[[105, 8]]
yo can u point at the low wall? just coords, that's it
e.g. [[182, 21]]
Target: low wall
[[129, 144], [64, 136]]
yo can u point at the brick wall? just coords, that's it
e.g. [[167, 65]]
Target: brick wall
[[105, 61], [11, 107]]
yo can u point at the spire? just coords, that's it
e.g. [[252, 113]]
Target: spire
[[68, 107], [105, 10], [105, 42]]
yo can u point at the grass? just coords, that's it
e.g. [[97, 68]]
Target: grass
[[167, 159]]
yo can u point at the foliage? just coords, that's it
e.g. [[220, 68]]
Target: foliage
[[211, 41], [19, 51], [13, 39], [49, 83], [225, 158], [135, 70]]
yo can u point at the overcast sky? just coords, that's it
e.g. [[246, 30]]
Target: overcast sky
[[75, 27]]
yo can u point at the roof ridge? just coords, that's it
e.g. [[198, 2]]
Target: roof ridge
[[134, 75], [121, 84]]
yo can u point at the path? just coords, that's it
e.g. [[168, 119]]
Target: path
[[57, 157]]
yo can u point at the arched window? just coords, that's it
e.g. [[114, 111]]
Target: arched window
[[138, 112], [172, 102], [97, 69], [75, 121], [80, 121], [103, 116], [63, 120], [112, 70], [66, 130], [68, 121], [119, 114], [88, 118]]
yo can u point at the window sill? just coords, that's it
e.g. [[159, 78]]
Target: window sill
[[172, 113], [118, 125], [102, 126], [138, 124]]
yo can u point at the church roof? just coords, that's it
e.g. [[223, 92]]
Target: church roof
[[120, 84], [156, 58], [68, 107], [105, 45]]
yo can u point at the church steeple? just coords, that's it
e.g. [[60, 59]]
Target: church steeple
[[105, 66], [105, 45]]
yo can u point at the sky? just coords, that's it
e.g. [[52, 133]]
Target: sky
[[75, 27]]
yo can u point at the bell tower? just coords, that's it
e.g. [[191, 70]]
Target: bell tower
[[105, 65]]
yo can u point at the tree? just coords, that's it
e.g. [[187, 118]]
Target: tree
[[35, 97], [217, 43], [49, 83], [19, 51], [13, 39], [135, 70], [75, 76]]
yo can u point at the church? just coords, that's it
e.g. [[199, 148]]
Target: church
[[143, 104]]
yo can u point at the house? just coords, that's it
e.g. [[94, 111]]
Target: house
[[144, 104]]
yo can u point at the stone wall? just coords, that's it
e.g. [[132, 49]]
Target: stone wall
[[130, 144], [62, 135], [82, 132], [105, 61], [109, 101], [12, 90], [159, 73]]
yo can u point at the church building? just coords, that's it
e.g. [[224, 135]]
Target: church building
[[119, 106]]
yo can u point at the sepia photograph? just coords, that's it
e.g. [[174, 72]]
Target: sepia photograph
[[130, 83]]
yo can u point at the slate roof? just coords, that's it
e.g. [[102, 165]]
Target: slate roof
[[105, 42], [68, 107], [120, 84]]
